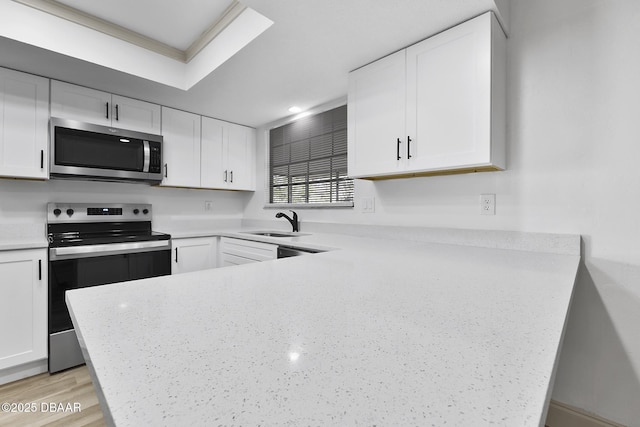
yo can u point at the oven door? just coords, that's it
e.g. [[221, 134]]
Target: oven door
[[83, 266]]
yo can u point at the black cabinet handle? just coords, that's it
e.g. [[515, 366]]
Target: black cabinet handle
[[176, 255], [408, 147], [398, 150], [39, 269], [107, 110], [166, 171], [225, 176], [41, 159], [117, 115], [231, 176]]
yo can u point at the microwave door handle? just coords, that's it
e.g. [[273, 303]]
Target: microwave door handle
[[147, 156]]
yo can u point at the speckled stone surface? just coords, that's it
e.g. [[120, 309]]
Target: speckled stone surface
[[378, 333], [22, 236]]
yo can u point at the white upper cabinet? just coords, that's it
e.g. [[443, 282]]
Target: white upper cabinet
[[240, 157], [93, 106], [213, 154], [228, 152], [181, 148], [136, 115], [453, 115], [24, 118], [376, 115]]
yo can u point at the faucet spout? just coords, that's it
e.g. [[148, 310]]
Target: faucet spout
[[293, 221]]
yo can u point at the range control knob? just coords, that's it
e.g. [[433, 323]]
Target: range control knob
[[145, 211], [136, 211], [69, 212], [57, 211]]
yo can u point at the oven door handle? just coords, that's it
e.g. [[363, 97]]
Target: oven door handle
[[72, 252]]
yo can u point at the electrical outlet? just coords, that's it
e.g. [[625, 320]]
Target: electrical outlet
[[487, 204], [208, 206], [368, 204]]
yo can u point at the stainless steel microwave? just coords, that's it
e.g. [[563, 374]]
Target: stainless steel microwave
[[87, 151]]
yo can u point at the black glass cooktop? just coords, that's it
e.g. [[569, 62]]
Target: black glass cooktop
[[80, 234]]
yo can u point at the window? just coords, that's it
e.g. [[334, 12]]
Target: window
[[308, 161]]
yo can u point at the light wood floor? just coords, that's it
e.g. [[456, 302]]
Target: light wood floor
[[69, 387]]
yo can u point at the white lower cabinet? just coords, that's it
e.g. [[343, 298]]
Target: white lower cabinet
[[193, 254], [23, 307], [238, 251]]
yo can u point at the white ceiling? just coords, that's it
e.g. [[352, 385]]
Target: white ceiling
[[303, 59]]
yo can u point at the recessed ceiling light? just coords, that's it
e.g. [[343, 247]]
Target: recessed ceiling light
[[295, 109]]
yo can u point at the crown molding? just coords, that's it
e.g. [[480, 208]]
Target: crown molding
[[79, 17], [228, 16]]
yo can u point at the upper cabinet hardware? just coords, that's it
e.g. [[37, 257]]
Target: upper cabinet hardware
[[117, 115], [39, 269], [398, 150], [408, 147], [107, 109], [166, 171], [41, 159], [231, 176], [176, 255], [225, 176]]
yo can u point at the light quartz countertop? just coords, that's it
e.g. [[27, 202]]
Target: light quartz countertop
[[22, 236], [374, 332]]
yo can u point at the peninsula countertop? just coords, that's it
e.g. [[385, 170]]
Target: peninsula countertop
[[378, 332]]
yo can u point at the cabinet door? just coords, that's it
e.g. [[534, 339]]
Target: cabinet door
[[136, 115], [376, 114], [24, 118], [240, 157], [228, 153], [239, 251], [23, 307], [193, 254], [213, 161], [181, 148], [449, 98], [80, 103]]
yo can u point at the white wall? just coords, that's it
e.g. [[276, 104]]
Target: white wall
[[573, 167], [24, 201]]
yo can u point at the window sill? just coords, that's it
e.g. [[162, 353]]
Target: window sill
[[309, 205]]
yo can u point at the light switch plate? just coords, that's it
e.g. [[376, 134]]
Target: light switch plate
[[368, 204]]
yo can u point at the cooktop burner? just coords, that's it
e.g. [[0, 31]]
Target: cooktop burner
[[75, 224]]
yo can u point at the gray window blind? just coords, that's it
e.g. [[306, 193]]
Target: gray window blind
[[308, 160]]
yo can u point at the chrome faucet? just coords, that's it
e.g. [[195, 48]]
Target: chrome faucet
[[294, 221]]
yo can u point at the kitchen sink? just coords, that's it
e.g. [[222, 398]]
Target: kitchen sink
[[275, 233]]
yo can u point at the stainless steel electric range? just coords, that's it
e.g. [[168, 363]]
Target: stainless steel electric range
[[96, 244]]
